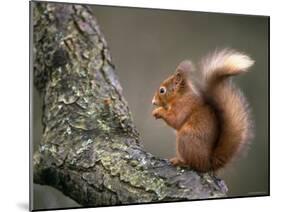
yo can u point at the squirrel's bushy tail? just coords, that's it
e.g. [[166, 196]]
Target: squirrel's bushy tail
[[232, 107]]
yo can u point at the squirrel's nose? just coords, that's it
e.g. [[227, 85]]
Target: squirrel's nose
[[154, 101]]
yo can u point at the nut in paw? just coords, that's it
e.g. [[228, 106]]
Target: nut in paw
[[157, 113]]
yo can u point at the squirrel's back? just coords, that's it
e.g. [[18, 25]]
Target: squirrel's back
[[229, 102]]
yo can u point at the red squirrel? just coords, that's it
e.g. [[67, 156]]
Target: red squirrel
[[210, 115]]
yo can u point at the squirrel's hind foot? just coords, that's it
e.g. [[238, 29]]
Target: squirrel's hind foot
[[175, 161]]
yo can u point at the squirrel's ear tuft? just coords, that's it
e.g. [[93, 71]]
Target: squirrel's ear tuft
[[185, 67]]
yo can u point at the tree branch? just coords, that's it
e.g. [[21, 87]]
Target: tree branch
[[90, 149]]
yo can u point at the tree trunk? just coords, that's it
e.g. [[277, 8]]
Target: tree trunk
[[90, 149]]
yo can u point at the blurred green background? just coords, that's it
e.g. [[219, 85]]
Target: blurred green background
[[146, 46]]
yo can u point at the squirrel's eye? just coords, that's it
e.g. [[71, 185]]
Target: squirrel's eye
[[162, 90]]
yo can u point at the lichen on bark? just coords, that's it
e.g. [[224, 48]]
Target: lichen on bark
[[90, 148]]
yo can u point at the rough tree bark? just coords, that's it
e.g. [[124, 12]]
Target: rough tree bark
[[90, 149]]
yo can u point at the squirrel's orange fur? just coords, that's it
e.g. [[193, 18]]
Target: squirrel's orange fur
[[210, 115]]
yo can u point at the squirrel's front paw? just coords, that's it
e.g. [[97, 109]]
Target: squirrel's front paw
[[157, 113]]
